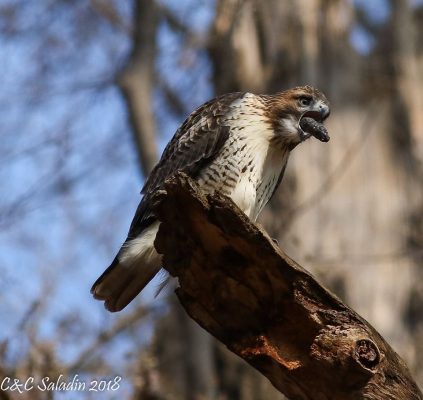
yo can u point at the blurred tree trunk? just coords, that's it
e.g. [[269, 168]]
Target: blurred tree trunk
[[137, 82], [185, 355], [406, 110]]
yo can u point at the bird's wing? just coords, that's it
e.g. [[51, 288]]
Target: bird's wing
[[278, 181], [197, 141]]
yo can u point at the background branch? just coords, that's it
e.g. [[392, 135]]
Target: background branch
[[137, 81]]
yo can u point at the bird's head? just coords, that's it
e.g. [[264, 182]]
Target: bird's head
[[298, 113]]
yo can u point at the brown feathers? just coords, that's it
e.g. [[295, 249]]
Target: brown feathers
[[237, 144], [286, 105]]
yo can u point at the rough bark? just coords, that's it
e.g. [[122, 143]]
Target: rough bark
[[239, 286]]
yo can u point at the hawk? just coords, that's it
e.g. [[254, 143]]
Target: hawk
[[237, 144]]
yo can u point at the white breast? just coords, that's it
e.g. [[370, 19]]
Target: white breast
[[260, 162], [248, 167], [253, 189]]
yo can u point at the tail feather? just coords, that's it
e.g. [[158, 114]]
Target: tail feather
[[132, 269]]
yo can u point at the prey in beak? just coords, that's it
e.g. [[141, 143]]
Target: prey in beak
[[311, 124]]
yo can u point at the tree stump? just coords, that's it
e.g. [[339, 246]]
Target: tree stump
[[239, 286]]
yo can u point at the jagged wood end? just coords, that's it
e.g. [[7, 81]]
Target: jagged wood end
[[266, 308]]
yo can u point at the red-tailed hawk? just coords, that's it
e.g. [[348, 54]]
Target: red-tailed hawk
[[237, 144]]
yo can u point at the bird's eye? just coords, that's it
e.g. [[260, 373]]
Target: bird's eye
[[305, 101]]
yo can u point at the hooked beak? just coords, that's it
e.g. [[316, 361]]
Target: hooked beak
[[311, 123]]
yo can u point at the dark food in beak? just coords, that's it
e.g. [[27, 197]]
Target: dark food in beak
[[312, 123]]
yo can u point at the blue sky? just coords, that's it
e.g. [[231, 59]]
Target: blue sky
[[71, 180]]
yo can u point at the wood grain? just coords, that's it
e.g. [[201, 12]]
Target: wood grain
[[239, 286]]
